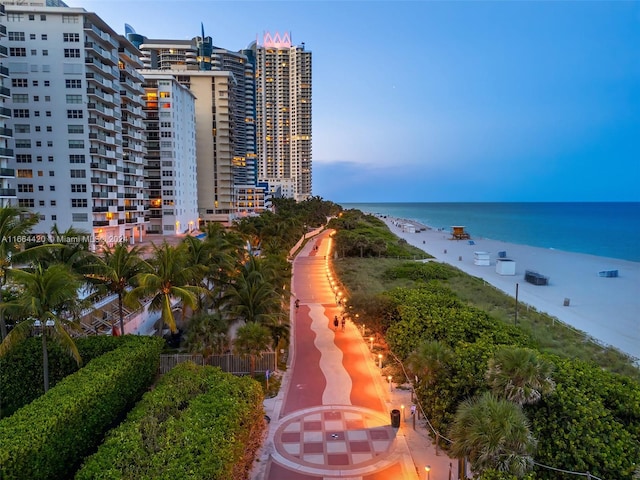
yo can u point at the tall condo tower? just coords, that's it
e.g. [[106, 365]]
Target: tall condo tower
[[223, 85], [76, 101], [283, 116], [7, 175]]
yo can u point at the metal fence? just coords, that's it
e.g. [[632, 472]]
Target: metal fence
[[235, 364]]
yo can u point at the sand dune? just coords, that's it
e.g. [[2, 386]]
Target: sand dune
[[608, 309]]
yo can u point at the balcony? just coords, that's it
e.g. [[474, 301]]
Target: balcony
[[6, 132], [5, 112], [101, 223], [7, 192], [6, 152], [7, 172], [4, 71], [5, 92]]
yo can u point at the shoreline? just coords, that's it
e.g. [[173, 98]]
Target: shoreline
[[606, 309]]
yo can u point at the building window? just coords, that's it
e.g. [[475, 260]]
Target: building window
[[34, 83], [25, 188], [165, 94], [78, 174], [23, 158], [43, 18], [46, 83], [76, 143], [36, 113], [19, 82], [71, 53], [43, 36], [45, 53], [50, 158], [32, 36], [70, 37], [49, 128], [73, 83], [36, 98], [23, 143], [22, 128], [17, 52], [73, 113], [53, 202], [52, 173], [69, 19], [41, 203], [75, 129], [78, 202], [53, 217], [20, 98], [14, 17], [78, 188], [166, 134], [37, 128], [34, 52], [26, 202], [49, 143], [24, 173], [74, 98], [76, 159], [16, 36], [38, 143], [80, 217]]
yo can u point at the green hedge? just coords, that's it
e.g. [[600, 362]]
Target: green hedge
[[21, 369], [198, 423], [50, 437]]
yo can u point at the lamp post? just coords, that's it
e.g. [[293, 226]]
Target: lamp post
[[428, 470], [380, 360], [389, 377], [404, 417], [41, 330], [371, 343]]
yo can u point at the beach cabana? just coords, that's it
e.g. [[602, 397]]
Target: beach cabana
[[481, 258], [505, 266]]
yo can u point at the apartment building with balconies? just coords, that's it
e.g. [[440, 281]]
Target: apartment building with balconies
[[77, 114], [171, 175], [283, 115], [7, 174]]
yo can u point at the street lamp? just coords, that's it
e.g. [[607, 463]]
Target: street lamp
[[40, 330], [390, 384], [428, 470], [404, 417], [379, 360], [371, 343]]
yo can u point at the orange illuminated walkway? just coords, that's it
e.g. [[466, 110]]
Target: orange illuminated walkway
[[332, 421]]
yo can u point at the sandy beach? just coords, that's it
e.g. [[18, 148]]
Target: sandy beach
[[608, 309]]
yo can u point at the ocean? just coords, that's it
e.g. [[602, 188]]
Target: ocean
[[604, 229]]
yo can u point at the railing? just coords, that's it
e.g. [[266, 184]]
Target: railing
[[235, 364]]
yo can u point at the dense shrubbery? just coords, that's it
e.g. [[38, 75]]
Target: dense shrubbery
[[198, 423], [49, 437], [21, 369], [590, 422]]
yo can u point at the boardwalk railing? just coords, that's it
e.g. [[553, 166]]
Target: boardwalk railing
[[235, 364]]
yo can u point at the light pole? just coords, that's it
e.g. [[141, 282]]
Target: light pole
[[404, 417], [380, 360], [40, 330], [428, 470], [390, 384]]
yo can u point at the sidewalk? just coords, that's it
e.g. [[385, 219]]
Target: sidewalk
[[331, 418]]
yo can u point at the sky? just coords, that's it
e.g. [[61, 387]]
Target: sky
[[436, 101]]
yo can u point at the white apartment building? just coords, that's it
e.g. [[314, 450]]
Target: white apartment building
[[283, 116], [76, 103], [7, 175], [171, 175]]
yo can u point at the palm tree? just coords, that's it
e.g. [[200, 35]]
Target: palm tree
[[429, 360], [48, 299], [15, 223], [252, 297], [167, 278], [207, 334], [252, 339], [115, 270], [494, 434], [520, 375]]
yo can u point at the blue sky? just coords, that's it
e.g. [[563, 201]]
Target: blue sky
[[425, 101]]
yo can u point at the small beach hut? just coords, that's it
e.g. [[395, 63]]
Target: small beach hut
[[458, 233], [481, 258], [505, 266]]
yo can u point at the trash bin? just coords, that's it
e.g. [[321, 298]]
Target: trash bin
[[395, 418]]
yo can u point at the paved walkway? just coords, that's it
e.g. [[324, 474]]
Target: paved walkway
[[331, 418]]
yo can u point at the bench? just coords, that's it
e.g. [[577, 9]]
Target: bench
[[535, 278]]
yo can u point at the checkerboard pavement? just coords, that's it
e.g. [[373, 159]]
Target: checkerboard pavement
[[337, 438]]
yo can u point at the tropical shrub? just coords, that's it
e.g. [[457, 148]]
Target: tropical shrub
[[49, 437], [198, 423]]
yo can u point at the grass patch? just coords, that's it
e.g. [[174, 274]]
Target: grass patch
[[372, 276]]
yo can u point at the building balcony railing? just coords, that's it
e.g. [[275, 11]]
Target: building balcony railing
[[4, 71], [6, 132], [5, 112], [7, 192], [7, 172], [6, 152]]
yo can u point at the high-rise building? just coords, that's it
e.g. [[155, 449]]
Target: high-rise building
[[171, 178], [223, 84], [283, 116], [7, 175], [76, 101]]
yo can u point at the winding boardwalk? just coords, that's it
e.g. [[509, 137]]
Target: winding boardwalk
[[333, 421]]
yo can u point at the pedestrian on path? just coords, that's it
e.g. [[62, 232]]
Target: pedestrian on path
[[335, 322], [343, 323]]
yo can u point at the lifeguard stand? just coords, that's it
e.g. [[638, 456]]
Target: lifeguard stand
[[458, 233]]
